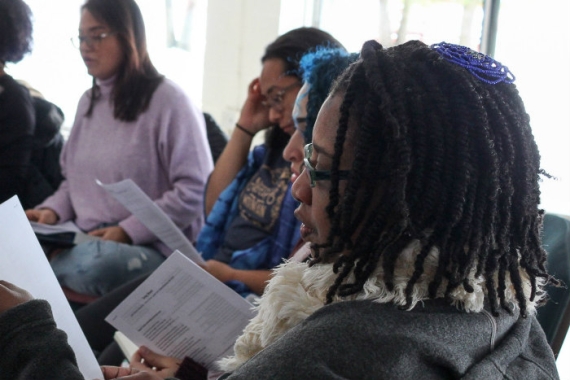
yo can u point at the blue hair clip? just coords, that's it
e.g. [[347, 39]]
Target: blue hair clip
[[480, 65]]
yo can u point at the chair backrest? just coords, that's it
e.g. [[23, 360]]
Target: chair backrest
[[554, 317], [216, 136]]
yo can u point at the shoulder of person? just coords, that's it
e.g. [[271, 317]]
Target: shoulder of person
[[168, 90], [14, 91]]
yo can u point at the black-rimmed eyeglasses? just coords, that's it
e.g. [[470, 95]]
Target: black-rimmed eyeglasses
[[319, 175]]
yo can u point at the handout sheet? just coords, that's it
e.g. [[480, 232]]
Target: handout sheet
[[148, 213], [23, 263], [67, 233], [181, 310]]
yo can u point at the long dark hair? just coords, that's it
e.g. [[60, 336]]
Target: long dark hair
[[137, 78], [441, 158]]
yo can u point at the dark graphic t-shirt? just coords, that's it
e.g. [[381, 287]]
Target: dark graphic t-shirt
[[259, 208]]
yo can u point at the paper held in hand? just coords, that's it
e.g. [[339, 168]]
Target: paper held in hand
[[153, 217], [65, 234], [181, 310], [24, 263]]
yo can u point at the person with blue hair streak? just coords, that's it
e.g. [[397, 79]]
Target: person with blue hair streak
[[320, 68]]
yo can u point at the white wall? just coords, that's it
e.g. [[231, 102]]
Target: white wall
[[237, 33]]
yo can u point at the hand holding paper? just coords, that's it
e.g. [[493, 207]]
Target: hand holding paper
[[147, 360], [12, 296], [44, 216], [148, 213], [182, 311]]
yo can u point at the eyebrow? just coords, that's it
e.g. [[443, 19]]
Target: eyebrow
[[94, 28], [321, 150], [272, 88], [282, 75]]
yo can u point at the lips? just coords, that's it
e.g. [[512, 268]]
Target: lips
[[306, 232], [88, 61]]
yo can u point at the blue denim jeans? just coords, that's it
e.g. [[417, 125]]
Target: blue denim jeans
[[97, 267]]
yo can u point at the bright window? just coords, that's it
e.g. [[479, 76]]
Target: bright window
[[176, 40], [533, 40], [389, 21]]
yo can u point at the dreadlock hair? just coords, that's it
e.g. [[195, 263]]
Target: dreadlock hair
[[289, 48], [443, 159], [320, 68], [15, 30], [137, 78]]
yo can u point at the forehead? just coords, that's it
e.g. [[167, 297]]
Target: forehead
[[272, 75], [89, 23], [300, 109], [326, 125]]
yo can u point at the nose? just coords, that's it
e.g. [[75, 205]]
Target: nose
[[85, 47], [301, 189], [275, 115], [293, 152]]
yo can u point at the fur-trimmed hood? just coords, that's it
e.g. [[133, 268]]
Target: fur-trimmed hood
[[296, 291]]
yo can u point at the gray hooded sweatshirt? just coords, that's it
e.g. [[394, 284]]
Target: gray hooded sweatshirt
[[368, 340]]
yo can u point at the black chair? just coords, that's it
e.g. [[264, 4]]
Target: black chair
[[216, 136], [554, 317]]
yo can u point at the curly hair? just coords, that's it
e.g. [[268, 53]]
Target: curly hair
[[137, 78], [441, 158], [320, 68], [15, 30]]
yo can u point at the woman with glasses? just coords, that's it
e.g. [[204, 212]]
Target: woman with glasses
[[250, 226], [133, 123]]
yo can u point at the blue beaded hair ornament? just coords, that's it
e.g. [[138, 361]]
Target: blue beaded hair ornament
[[480, 65]]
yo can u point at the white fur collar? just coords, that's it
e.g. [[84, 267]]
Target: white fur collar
[[296, 291]]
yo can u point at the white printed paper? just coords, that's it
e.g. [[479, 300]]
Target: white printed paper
[[148, 213], [24, 263], [69, 226], [181, 310], [47, 229]]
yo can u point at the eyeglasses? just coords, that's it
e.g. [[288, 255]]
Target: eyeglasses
[[92, 42], [319, 175], [300, 121], [275, 100]]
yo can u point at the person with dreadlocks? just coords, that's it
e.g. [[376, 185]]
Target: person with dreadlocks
[[420, 198]]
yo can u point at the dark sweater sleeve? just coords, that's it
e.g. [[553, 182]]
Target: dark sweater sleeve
[[31, 346], [190, 370]]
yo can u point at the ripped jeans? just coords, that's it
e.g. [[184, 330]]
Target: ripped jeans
[[96, 267]]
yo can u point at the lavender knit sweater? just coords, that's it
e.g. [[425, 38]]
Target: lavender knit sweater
[[165, 152]]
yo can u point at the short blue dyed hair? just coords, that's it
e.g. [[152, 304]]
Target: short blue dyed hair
[[320, 68]]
